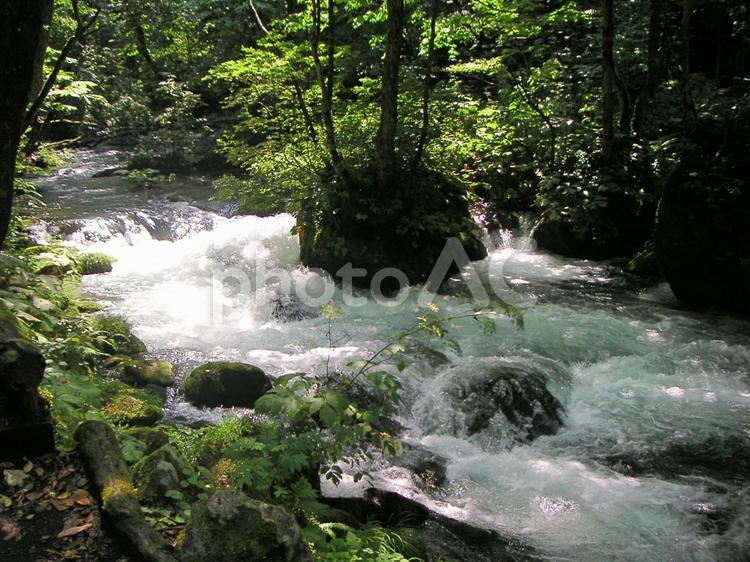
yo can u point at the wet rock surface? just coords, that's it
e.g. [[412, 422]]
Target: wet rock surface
[[230, 526], [226, 384]]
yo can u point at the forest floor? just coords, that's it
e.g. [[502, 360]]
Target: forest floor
[[48, 512]]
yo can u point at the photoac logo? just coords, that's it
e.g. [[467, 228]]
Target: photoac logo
[[314, 288]]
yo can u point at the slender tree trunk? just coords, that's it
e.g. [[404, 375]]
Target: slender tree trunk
[[547, 121], [309, 125], [385, 144], [654, 62], [427, 88], [83, 28], [687, 98], [142, 44], [325, 80], [608, 86], [22, 47]]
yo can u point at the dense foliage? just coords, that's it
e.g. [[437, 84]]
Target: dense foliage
[[516, 92]]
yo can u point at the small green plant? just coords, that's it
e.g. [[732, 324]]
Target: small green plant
[[91, 263]]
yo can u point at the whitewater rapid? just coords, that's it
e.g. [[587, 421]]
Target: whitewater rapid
[[643, 381]]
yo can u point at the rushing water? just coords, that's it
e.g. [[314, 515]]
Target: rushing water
[[657, 434]]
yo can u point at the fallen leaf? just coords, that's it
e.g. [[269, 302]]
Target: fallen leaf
[[63, 496], [70, 531], [27, 467], [62, 505], [14, 478], [70, 554], [82, 497], [8, 529], [34, 496], [39, 471], [5, 501]]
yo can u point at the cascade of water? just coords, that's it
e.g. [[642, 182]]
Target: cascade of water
[[656, 399]]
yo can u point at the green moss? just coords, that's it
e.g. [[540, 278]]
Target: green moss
[[87, 307], [152, 438], [132, 407], [114, 336], [92, 263], [116, 488], [143, 373]]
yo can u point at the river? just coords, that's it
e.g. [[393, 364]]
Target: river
[[651, 463]]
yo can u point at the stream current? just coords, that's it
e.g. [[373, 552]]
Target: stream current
[[651, 463]]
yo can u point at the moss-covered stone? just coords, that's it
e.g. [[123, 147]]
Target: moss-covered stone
[[92, 263], [144, 373], [226, 384], [157, 473], [87, 307], [133, 407], [152, 438], [231, 526], [371, 229], [115, 336]]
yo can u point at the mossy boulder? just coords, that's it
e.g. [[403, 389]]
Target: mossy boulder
[[366, 226], [151, 437], [144, 373], [87, 307], [231, 526], [115, 336], [701, 235], [226, 384], [157, 473], [92, 263], [133, 407]]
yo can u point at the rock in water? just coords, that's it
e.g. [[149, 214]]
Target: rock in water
[[231, 526], [288, 308], [520, 396], [502, 401], [703, 247], [226, 384]]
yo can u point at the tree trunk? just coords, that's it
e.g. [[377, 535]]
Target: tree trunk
[[654, 68], [325, 80], [22, 47], [687, 98], [83, 28], [427, 88], [608, 86], [385, 144]]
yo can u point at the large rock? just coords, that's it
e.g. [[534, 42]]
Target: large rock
[[397, 494], [702, 244], [501, 401], [151, 437], [231, 526], [364, 226], [144, 373], [25, 424], [701, 235], [521, 397], [226, 384]]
